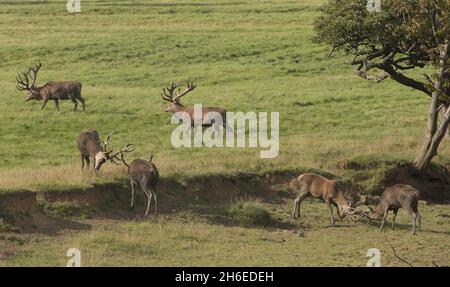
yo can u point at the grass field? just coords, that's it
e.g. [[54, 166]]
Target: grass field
[[192, 240], [244, 56]]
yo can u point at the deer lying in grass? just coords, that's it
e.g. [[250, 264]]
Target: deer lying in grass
[[175, 105], [143, 174], [395, 197], [90, 145], [310, 184], [54, 90]]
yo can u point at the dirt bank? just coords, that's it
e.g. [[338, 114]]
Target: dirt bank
[[51, 211]]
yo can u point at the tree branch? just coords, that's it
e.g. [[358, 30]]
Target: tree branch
[[404, 80], [395, 252]]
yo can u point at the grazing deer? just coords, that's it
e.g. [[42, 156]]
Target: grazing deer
[[143, 174], [54, 90], [311, 184], [175, 105], [395, 197], [90, 145]]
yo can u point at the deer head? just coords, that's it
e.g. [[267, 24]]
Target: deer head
[[23, 82], [168, 95], [103, 155]]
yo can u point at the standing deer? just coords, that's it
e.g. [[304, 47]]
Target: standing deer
[[311, 184], [90, 145], [54, 90], [143, 174], [175, 105], [395, 197]]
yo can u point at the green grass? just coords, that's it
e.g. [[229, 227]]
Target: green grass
[[191, 240], [249, 213], [245, 56]]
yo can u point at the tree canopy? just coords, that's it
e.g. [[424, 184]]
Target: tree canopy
[[401, 36], [404, 35]]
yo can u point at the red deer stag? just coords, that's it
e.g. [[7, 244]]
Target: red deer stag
[[310, 184], [175, 105], [143, 174], [54, 90], [90, 145], [395, 197]]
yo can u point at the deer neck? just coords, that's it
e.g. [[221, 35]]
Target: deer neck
[[179, 108], [95, 149]]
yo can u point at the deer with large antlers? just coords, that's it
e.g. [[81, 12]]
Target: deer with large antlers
[[90, 145], [54, 90], [143, 174], [176, 106]]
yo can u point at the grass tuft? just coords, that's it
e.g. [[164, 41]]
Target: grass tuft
[[250, 213]]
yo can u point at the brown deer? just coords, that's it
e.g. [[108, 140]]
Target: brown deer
[[175, 105], [54, 90], [143, 174], [395, 197], [90, 145], [311, 184]]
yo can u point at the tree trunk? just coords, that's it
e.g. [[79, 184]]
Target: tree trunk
[[431, 143], [435, 132]]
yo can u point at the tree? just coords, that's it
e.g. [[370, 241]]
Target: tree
[[405, 35]]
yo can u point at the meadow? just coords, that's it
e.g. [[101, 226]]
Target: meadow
[[245, 56]]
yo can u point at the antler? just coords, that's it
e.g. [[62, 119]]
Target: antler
[[167, 94], [356, 214], [34, 70], [23, 83], [127, 148], [190, 86], [106, 142], [23, 78]]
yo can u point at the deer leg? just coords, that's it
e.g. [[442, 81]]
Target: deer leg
[[414, 215], [57, 104], [82, 103], [95, 171], [413, 212], [132, 193], [156, 202], [393, 219], [338, 213], [87, 161], [44, 104], [330, 211], [384, 219], [296, 210], [143, 183], [82, 162], [416, 212], [149, 200], [297, 202], [419, 218], [74, 101]]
